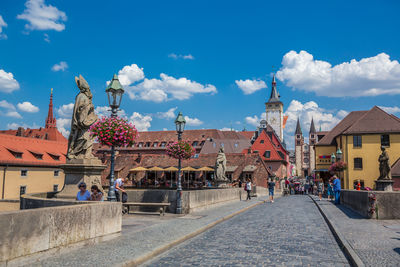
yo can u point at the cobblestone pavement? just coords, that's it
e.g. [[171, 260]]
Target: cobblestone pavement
[[140, 235], [289, 232], [376, 242]]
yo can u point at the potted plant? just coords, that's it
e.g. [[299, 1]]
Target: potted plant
[[180, 150], [114, 131]]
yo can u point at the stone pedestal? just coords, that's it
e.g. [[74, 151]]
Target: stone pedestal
[[221, 183], [384, 185], [81, 170]]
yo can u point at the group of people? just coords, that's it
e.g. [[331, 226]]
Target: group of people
[[333, 189], [96, 194], [248, 188]]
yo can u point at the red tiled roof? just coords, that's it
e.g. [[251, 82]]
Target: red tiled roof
[[248, 134], [42, 133], [25, 146]]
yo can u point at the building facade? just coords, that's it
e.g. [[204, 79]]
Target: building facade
[[274, 111], [360, 136], [305, 153], [30, 159]]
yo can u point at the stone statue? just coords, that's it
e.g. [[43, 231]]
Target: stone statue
[[80, 142], [220, 166], [384, 168]]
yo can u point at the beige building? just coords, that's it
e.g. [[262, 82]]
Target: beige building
[[360, 136]]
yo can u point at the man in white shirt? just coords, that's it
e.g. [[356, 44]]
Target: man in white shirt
[[119, 187], [248, 189]]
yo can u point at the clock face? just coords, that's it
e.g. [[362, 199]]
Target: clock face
[[273, 120]]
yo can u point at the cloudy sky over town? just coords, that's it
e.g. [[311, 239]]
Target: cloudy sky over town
[[212, 60]]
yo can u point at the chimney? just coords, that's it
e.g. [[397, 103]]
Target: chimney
[[20, 131]]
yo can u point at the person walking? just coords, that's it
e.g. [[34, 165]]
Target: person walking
[[271, 188], [336, 189], [248, 189], [83, 194], [320, 190], [330, 191]]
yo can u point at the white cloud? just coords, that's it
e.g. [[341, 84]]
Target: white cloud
[[43, 17], [7, 82], [193, 121], [170, 114], [3, 24], [130, 74], [8, 110], [15, 125], [250, 86], [371, 76], [66, 110], [227, 129], [141, 122], [323, 119], [178, 56], [46, 38], [255, 121], [60, 66], [391, 110], [27, 107], [64, 126], [168, 88]]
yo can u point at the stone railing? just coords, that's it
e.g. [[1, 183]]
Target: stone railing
[[373, 204], [30, 231]]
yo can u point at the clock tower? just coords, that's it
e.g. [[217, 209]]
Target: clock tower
[[274, 111]]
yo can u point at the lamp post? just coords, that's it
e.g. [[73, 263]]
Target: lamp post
[[114, 92], [333, 158], [339, 154], [180, 127]]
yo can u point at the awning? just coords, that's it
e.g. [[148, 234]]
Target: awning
[[321, 170], [189, 169], [250, 168], [231, 168], [206, 169], [138, 169], [156, 169], [171, 169]]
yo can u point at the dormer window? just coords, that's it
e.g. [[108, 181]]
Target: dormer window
[[16, 153], [37, 155], [163, 144], [140, 144], [195, 143], [54, 156], [262, 142], [155, 144]]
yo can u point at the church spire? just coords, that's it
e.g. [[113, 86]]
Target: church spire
[[275, 97], [51, 120], [298, 128], [312, 127]]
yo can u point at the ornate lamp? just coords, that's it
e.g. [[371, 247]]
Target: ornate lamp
[[339, 154], [180, 124], [333, 158], [114, 91]]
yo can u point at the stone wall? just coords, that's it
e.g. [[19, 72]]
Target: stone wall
[[192, 200], [386, 205], [25, 232]]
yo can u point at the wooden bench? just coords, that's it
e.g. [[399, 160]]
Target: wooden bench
[[147, 204]]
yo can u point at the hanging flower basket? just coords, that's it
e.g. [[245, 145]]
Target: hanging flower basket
[[180, 150], [338, 167], [114, 132]]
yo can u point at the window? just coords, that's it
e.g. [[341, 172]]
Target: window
[[312, 142], [357, 141], [270, 168], [195, 143], [262, 142], [24, 173], [37, 155], [16, 154], [55, 188], [222, 144], [229, 176], [22, 190], [358, 164], [163, 144], [140, 144], [385, 140], [155, 144], [247, 176], [196, 156], [298, 136], [312, 136], [267, 154], [298, 142], [236, 145], [147, 144], [214, 144], [56, 172], [55, 157]]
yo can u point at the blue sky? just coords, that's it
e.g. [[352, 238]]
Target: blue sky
[[190, 56]]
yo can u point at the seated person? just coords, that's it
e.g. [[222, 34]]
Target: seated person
[[83, 194], [96, 195]]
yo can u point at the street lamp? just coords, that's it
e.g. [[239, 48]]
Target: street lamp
[[339, 154], [333, 158], [180, 127], [114, 92]]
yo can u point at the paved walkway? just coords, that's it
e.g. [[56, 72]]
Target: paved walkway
[[289, 232], [376, 242], [142, 235]]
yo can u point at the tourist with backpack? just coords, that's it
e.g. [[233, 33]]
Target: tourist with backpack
[[247, 188]]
